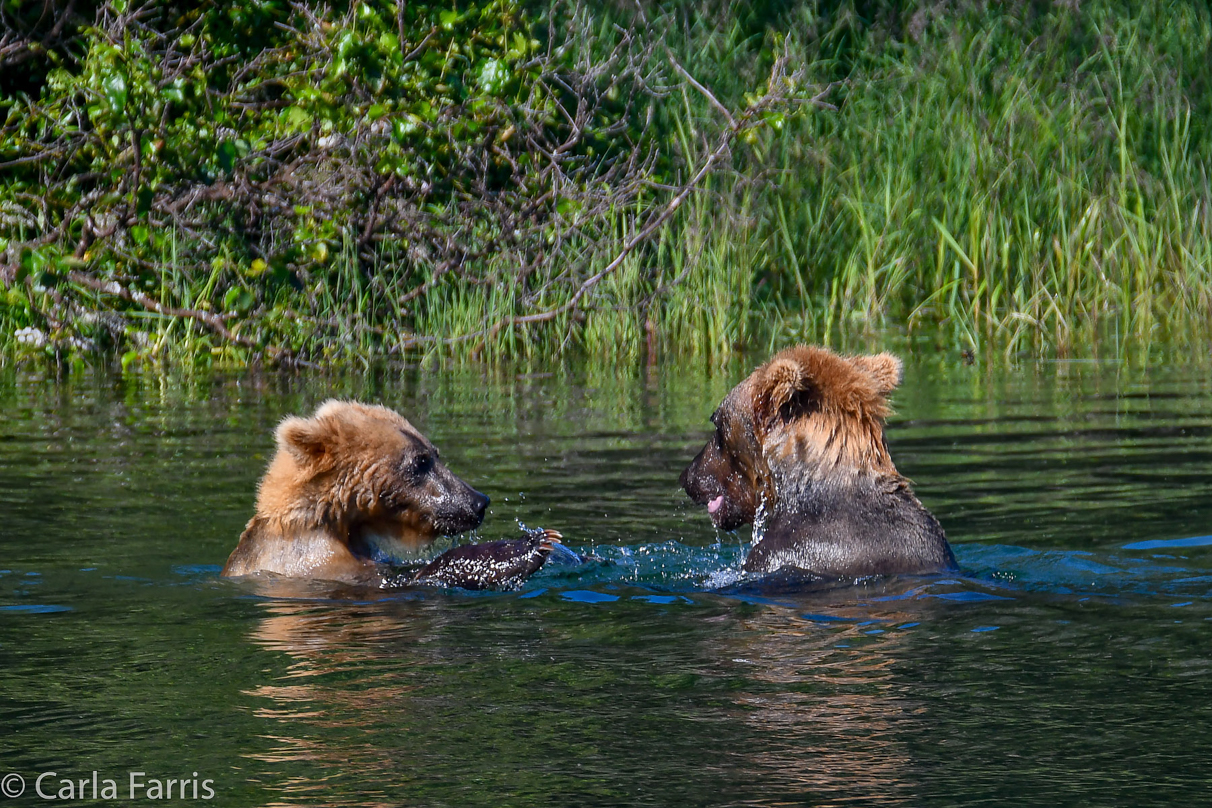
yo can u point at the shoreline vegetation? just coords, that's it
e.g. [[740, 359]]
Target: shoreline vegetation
[[325, 183]]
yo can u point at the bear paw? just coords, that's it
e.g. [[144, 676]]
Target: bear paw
[[502, 564]]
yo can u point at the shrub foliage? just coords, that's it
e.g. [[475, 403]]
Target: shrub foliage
[[313, 180], [290, 177]]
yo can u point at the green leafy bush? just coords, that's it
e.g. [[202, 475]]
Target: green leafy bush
[[294, 176]]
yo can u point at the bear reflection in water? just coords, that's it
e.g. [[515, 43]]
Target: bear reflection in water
[[369, 690], [354, 491], [832, 715]]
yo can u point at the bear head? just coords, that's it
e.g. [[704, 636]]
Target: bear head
[[363, 473], [807, 418]]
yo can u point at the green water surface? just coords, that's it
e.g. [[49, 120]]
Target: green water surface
[[1068, 663]]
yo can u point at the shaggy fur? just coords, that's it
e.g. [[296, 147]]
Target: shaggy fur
[[803, 437], [350, 489]]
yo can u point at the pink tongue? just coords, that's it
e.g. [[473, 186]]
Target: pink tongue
[[714, 505]]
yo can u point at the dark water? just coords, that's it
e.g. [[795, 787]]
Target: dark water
[[1069, 663]]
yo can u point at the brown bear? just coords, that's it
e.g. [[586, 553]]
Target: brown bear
[[802, 441], [355, 490]]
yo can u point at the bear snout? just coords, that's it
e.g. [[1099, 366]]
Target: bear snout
[[692, 483], [459, 507], [480, 503], [701, 480], [713, 481], [703, 489]]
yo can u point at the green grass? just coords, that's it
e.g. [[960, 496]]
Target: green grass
[[1006, 184], [1009, 179], [1027, 185]]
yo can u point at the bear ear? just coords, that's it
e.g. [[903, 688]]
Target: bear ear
[[884, 369], [309, 441], [783, 379]]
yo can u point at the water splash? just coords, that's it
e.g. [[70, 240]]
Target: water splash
[[988, 573], [759, 521]]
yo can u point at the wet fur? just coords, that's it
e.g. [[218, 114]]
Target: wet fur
[[350, 491], [504, 564], [803, 436]]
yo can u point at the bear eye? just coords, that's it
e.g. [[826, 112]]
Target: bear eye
[[422, 463]]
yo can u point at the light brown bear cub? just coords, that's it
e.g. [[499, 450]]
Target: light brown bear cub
[[803, 438], [355, 490]]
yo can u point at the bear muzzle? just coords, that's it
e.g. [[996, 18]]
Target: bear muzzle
[[460, 512], [705, 490], [711, 481]]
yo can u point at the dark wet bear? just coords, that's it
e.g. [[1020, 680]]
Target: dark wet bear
[[802, 439], [355, 489]]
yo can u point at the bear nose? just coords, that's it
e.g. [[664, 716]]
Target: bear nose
[[480, 503], [691, 483]]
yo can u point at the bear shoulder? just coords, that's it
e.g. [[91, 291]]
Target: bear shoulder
[[265, 546]]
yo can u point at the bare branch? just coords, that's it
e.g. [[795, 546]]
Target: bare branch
[[213, 322], [696, 85], [749, 119]]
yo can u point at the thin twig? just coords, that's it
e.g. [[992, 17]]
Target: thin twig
[[715, 102]]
